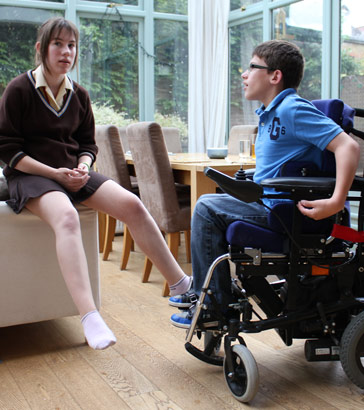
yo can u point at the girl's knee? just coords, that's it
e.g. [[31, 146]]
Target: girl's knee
[[136, 209], [132, 208], [69, 220]]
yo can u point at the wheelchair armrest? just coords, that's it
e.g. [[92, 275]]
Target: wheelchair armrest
[[318, 185], [244, 190], [312, 185], [358, 184]]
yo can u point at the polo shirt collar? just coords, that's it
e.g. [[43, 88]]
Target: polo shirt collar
[[278, 99], [40, 80]]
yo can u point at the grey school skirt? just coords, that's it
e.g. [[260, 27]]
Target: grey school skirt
[[23, 187]]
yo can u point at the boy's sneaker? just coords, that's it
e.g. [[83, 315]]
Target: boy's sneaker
[[184, 319], [183, 301]]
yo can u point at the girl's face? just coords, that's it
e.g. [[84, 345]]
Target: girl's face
[[61, 53]]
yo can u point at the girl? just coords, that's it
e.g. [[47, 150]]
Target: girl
[[47, 142]]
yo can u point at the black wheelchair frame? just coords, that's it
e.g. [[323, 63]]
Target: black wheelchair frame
[[318, 294]]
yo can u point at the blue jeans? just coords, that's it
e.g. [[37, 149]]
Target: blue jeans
[[212, 215]]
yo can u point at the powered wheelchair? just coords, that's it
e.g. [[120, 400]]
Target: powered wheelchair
[[318, 268]]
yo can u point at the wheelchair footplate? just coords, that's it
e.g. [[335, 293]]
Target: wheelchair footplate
[[239, 366], [214, 330]]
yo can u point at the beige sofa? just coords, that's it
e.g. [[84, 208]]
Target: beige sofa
[[31, 285]]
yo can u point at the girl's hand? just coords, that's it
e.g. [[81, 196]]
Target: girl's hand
[[83, 166], [72, 179]]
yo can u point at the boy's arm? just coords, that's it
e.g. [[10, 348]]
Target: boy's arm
[[346, 151]]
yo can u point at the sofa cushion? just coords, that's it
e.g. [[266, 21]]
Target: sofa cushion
[[4, 193]]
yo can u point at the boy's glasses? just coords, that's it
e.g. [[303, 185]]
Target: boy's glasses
[[260, 67]]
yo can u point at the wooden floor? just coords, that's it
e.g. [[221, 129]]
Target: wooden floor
[[48, 365]]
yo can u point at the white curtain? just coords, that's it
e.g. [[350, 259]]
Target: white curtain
[[208, 73]]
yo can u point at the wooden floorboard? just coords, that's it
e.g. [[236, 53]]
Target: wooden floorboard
[[48, 365]]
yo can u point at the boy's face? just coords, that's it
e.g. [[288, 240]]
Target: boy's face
[[256, 81]]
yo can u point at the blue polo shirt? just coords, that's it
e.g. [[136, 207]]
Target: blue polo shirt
[[290, 128]]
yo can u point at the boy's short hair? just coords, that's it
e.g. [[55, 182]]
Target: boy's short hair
[[284, 56], [49, 30]]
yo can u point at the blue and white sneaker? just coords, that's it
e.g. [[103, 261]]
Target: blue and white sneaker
[[184, 319], [183, 301]]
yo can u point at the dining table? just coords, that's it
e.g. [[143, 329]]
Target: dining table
[[188, 169]]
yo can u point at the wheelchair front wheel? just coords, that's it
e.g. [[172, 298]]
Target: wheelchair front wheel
[[243, 382], [352, 350]]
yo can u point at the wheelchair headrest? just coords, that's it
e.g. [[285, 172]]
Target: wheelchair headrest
[[339, 112]]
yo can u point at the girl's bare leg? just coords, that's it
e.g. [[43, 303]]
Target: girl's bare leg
[[114, 200], [56, 209]]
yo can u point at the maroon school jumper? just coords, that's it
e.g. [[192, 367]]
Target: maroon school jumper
[[30, 126]]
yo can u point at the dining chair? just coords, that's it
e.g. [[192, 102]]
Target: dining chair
[[125, 145], [172, 139], [158, 192], [111, 163], [124, 138], [237, 133]]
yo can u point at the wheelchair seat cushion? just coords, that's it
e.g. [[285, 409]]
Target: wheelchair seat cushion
[[245, 234], [272, 238]]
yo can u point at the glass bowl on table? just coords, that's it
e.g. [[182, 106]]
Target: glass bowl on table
[[217, 153]]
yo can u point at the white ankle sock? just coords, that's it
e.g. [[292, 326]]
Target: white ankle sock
[[97, 333], [181, 287]]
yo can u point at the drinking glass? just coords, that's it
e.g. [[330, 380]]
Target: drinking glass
[[245, 149]]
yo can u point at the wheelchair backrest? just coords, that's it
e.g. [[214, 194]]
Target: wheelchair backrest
[[343, 115], [339, 112]]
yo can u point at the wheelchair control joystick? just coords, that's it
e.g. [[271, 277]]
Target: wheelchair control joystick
[[240, 174]]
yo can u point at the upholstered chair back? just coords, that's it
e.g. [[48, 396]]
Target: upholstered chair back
[[237, 133], [172, 139], [155, 177], [110, 158]]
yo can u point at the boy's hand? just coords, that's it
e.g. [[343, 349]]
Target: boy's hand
[[320, 208]]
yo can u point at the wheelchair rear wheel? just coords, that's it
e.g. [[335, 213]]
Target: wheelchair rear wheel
[[352, 350], [243, 381]]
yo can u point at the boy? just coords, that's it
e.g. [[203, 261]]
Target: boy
[[290, 128]]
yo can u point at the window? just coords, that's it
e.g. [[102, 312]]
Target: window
[[236, 4], [243, 39], [112, 50], [171, 73], [171, 6], [121, 2], [352, 53], [18, 34], [301, 23], [109, 63]]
